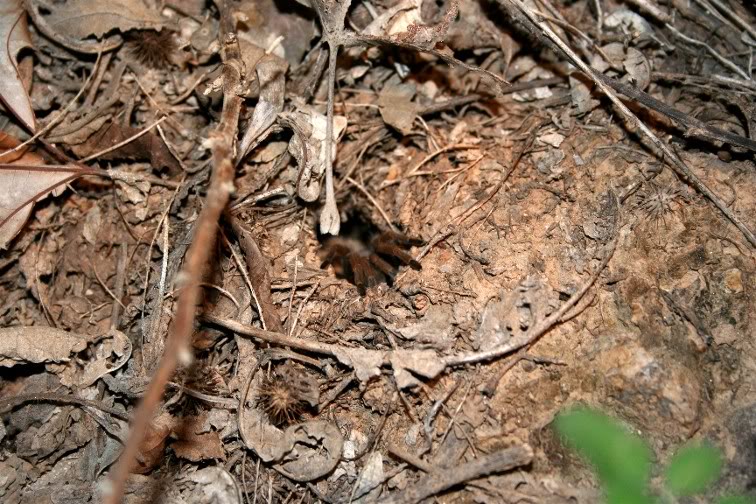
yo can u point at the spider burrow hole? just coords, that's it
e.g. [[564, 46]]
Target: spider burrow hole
[[365, 255]]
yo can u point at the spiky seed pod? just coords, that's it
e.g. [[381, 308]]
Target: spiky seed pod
[[151, 48], [655, 201], [279, 402], [286, 393]]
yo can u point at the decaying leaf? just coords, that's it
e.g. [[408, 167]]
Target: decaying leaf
[[38, 344], [25, 180], [153, 445], [270, 76], [197, 447], [629, 59], [396, 19], [148, 146], [366, 363], [14, 32], [315, 449], [581, 95], [109, 353], [419, 34], [435, 328], [79, 19], [406, 364], [214, 484], [308, 147], [371, 477], [304, 452], [397, 107]]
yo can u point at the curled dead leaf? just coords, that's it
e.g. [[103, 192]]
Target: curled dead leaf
[[38, 344], [270, 76], [153, 445], [72, 23], [14, 32], [308, 147], [25, 179]]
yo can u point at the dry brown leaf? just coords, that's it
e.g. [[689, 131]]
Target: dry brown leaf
[[14, 32], [366, 363], [427, 36], [149, 146], [79, 19], [108, 354], [308, 146], [397, 108], [406, 364], [152, 447], [270, 76], [395, 19], [24, 180], [38, 344], [197, 447]]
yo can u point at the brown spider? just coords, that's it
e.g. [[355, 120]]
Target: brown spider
[[369, 265]]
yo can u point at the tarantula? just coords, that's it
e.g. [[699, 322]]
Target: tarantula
[[369, 265]]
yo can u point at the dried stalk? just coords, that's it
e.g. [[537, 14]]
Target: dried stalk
[[206, 229]]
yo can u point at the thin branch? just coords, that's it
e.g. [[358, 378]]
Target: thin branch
[[443, 479], [206, 230], [11, 402]]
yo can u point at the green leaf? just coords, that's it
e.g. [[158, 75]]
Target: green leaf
[[736, 499], [693, 468], [622, 459], [625, 496]]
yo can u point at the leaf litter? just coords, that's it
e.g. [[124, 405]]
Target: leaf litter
[[561, 261]]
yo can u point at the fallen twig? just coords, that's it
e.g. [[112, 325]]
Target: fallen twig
[[441, 480], [11, 402], [197, 257]]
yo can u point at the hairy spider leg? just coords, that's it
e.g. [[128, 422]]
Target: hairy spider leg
[[336, 256], [391, 249], [399, 238], [388, 270], [362, 273]]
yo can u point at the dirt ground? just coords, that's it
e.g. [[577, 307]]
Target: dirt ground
[[517, 235]]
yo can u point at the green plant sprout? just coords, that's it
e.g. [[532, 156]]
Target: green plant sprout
[[622, 461]]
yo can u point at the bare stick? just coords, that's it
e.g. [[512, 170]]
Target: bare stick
[[439, 481], [197, 257]]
